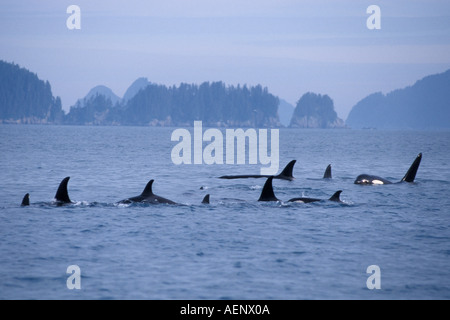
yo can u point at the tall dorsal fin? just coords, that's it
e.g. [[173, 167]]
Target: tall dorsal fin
[[62, 195], [26, 200], [267, 193], [206, 199], [337, 196], [327, 174], [287, 172], [411, 174], [148, 189]]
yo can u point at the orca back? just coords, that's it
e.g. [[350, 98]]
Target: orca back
[[147, 196], [148, 191], [287, 173], [267, 193], [336, 197], [412, 171], [26, 200], [62, 194], [206, 199], [327, 174], [304, 200]]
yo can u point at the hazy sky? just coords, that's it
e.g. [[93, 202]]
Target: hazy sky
[[291, 47]]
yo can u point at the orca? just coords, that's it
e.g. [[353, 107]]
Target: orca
[[267, 194], [62, 195], [369, 179], [26, 200], [336, 197], [286, 174], [327, 174], [366, 179], [147, 196], [206, 199]]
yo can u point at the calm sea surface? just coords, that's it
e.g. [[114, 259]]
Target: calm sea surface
[[234, 248]]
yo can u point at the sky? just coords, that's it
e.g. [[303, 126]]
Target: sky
[[291, 47]]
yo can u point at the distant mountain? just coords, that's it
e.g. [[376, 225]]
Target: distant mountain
[[100, 90], [315, 111], [425, 105], [96, 110], [135, 87], [24, 98], [285, 112]]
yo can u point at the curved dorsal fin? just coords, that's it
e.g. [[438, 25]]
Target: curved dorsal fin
[[287, 172], [26, 200], [62, 194], [206, 199], [327, 174], [411, 174], [337, 196], [267, 193], [148, 189]]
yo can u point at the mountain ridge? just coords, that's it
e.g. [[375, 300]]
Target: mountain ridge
[[423, 105], [24, 98]]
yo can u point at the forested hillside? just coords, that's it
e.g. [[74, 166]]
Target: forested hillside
[[425, 105], [315, 111], [24, 98], [213, 103]]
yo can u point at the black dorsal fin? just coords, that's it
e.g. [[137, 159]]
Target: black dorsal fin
[[148, 189], [411, 174], [267, 193], [26, 200], [62, 195], [337, 196], [287, 172], [206, 199], [327, 174]]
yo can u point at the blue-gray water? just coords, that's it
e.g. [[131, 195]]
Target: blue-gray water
[[235, 248]]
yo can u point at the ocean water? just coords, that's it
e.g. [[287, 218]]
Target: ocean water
[[236, 247]]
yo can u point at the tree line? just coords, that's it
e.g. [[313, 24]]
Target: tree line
[[25, 98], [213, 103]]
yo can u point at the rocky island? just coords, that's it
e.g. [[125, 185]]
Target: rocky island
[[316, 111]]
